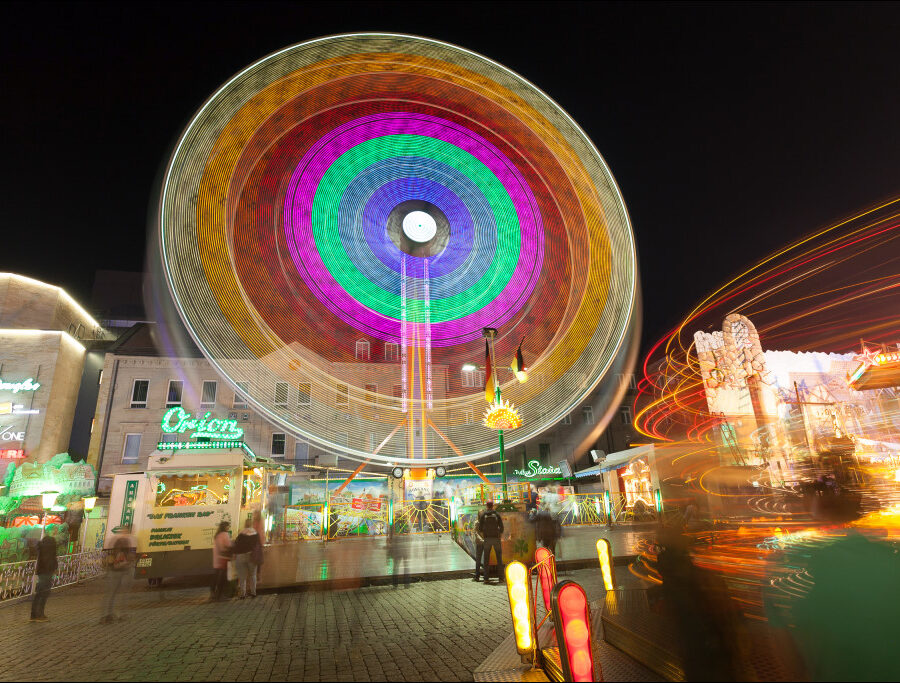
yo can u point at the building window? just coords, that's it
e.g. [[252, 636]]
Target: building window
[[343, 396], [167, 437], [625, 414], [473, 378], [173, 396], [240, 396], [371, 393], [587, 412], [139, 393], [363, 349], [281, 394], [544, 453], [468, 416], [567, 420], [132, 448], [304, 396], [208, 397], [301, 451], [391, 351], [278, 444]]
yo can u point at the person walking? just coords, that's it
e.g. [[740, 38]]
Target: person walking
[[120, 561], [222, 550], [247, 552], [45, 568], [490, 526], [547, 531]]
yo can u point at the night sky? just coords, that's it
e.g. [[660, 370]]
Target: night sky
[[730, 130]]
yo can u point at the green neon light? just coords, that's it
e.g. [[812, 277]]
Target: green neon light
[[178, 421], [325, 219], [204, 446], [15, 387], [535, 468]]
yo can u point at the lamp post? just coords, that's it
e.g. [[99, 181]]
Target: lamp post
[[89, 504], [490, 334], [48, 500]]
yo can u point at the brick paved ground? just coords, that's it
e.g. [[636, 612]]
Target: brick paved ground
[[436, 630]]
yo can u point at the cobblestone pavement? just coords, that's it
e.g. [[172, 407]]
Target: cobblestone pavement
[[435, 630]]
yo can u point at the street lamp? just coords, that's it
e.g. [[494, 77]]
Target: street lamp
[[89, 504], [48, 500]]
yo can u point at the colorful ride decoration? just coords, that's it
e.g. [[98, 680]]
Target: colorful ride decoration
[[518, 589], [502, 415], [341, 219]]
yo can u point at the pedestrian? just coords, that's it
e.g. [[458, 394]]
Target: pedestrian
[[119, 562], [221, 555], [247, 551], [398, 551], [531, 499], [546, 530], [45, 567], [479, 553], [490, 526], [260, 527]]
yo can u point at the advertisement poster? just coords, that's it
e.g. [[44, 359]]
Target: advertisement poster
[[303, 524]]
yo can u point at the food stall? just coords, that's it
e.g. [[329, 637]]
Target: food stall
[[175, 506]]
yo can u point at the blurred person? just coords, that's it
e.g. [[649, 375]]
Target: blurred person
[[260, 527], [490, 526], [45, 568], [120, 561], [479, 553], [246, 550], [531, 499], [398, 551], [222, 552], [547, 529], [704, 614], [846, 625], [420, 505]]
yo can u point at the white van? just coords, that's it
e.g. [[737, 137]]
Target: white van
[[175, 506]]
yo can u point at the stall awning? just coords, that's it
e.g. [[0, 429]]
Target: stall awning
[[614, 461]]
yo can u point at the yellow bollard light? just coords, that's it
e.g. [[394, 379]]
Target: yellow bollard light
[[518, 588], [604, 554]]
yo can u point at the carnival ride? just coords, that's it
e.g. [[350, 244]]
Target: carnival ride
[[342, 219]]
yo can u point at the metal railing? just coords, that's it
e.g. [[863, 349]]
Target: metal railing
[[17, 578]]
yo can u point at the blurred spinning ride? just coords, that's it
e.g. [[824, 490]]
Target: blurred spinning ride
[[341, 219]]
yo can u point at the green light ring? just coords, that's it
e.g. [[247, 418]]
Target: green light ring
[[326, 219]]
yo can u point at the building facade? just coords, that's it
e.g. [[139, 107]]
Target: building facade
[[44, 336]]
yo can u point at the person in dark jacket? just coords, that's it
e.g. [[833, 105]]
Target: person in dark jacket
[[45, 568], [490, 527], [247, 551]]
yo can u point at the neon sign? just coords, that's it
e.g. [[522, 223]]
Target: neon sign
[[535, 468], [7, 434], [15, 387], [178, 421]]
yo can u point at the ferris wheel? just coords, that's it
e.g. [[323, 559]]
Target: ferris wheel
[[341, 221]]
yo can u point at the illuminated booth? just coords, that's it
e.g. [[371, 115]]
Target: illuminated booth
[[188, 488]]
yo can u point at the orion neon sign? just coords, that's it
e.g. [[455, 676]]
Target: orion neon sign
[[15, 387], [178, 421], [536, 469]]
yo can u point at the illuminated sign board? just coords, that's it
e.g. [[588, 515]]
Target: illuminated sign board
[[535, 469], [10, 408], [178, 421], [15, 387], [8, 434]]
